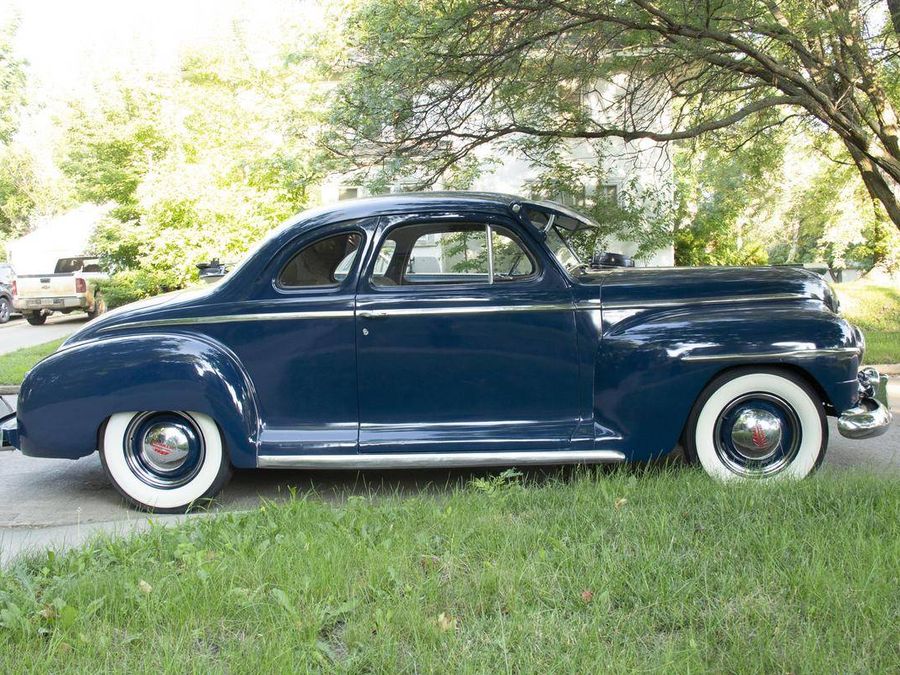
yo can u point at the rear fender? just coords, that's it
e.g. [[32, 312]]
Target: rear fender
[[67, 397]]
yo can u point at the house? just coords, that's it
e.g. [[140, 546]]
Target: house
[[645, 164]]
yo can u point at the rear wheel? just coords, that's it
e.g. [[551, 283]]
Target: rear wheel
[[757, 424], [98, 308], [36, 318], [164, 461]]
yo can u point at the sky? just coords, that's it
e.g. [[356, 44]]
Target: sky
[[70, 44]]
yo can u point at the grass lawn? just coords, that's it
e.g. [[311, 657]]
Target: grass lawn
[[660, 570], [14, 365], [875, 309]]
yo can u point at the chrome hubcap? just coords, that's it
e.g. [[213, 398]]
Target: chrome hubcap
[[164, 449], [166, 446], [756, 433]]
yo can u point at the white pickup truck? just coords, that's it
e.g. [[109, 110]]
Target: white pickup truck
[[72, 286]]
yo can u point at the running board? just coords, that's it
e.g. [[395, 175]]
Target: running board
[[434, 460]]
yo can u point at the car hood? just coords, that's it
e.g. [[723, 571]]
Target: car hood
[[677, 285]]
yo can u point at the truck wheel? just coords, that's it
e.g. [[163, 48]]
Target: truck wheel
[[36, 318], [757, 423], [5, 310], [99, 307], [164, 462]]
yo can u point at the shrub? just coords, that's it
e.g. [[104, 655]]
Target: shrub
[[132, 285]]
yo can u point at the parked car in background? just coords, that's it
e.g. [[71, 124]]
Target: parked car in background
[[7, 280], [72, 286], [327, 348]]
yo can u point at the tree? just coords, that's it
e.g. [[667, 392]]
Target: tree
[[435, 81], [16, 167], [198, 164]]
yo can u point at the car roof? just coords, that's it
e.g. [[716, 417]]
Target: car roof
[[402, 202]]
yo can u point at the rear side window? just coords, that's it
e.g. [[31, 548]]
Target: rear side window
[[70, 265], [325, 262]]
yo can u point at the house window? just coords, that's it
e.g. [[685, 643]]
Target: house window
[[571, 197], [608, 193], [571, 95], [348, 192]]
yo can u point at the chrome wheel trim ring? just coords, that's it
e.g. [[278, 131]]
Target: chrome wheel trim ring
[[757, 435], [164, 449]]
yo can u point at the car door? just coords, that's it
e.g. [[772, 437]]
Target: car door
[[466, 339], [300, 348]]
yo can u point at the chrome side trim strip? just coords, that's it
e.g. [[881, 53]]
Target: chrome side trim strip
[[730, 299], [438, 311], [426, 460], [794, 353], [464, 309], [232, 318]]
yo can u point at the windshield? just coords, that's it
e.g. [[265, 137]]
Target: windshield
[[561, 249]]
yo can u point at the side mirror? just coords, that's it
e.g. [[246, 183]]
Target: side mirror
[[605, 260]]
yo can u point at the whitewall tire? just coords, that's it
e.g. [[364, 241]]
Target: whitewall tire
[[757, 423], [164, 461]]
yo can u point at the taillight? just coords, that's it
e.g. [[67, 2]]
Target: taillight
[[15, 288], [80, 286]]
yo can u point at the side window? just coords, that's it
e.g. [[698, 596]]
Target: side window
[[325, 262], [512, 261], [450, 253]]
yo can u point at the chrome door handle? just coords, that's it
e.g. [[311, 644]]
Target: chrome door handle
[[372, 314]]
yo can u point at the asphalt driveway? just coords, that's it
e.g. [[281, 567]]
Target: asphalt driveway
[[18, 333], [59, 502]]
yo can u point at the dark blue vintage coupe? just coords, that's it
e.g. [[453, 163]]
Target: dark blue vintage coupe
[[450, 329]]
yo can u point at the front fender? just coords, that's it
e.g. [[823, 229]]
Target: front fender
[[66, 398], [653, 364]]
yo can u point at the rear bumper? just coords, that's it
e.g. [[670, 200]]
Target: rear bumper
[[872, 415], [9, 432], [51, 303]]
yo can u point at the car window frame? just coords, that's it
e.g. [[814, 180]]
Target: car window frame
[[484, 220], [350, 227]]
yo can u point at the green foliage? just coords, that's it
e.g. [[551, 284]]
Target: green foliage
[[12, 83], [723, 192], [112, 147], [198, 165], [619, 571], [131, 285]]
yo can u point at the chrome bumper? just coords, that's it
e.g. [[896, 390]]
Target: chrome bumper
[[9, 431], [872, 416]]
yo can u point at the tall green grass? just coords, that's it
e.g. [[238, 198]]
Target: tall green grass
[[14, 365], [875, 309], [612, 572]]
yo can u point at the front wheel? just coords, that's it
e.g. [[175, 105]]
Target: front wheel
[[5, 310], [757, 424], [164, 461]]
